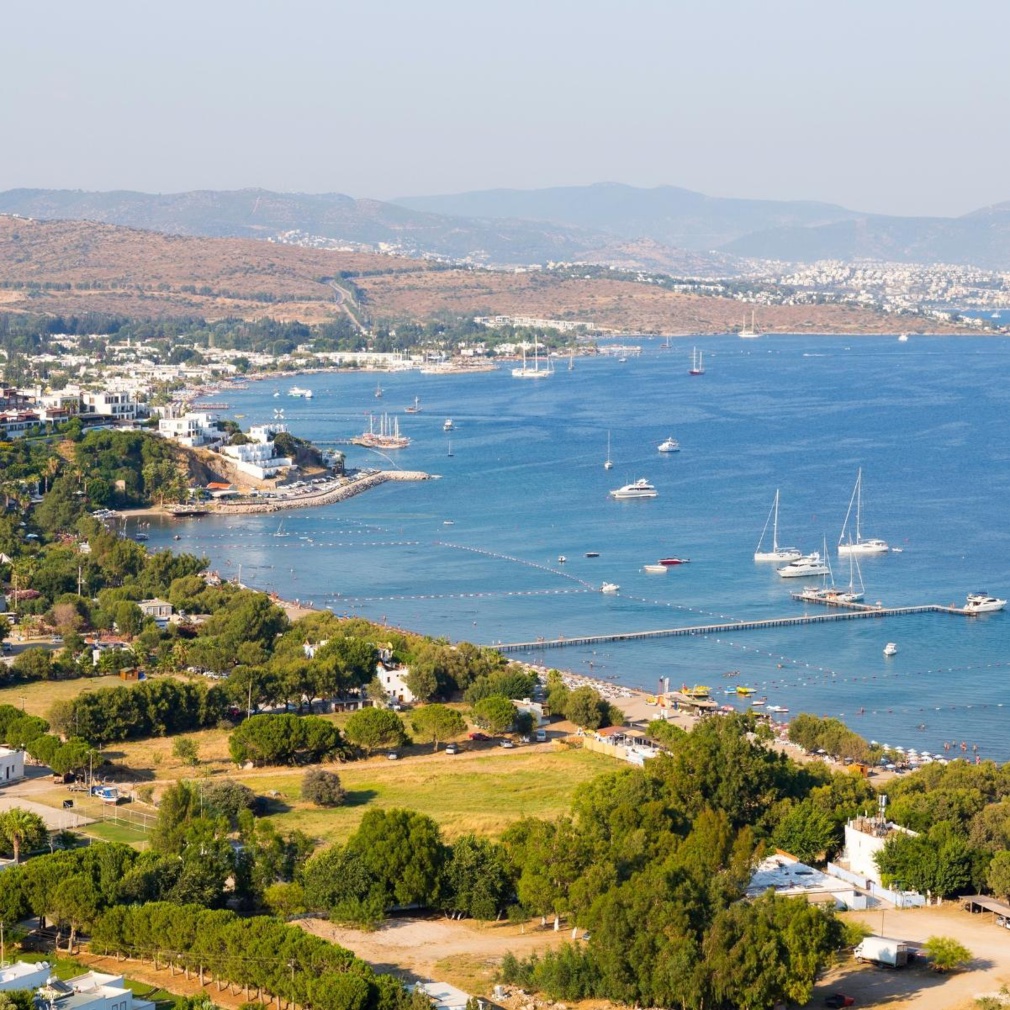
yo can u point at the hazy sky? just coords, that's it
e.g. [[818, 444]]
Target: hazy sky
[[895, 106]]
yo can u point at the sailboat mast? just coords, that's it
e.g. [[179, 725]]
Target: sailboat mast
[[859, 503], [775, 523]]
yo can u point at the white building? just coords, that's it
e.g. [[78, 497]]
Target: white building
[[21, 975], [394, 681], [93, 990], [444, 996], [257, 459], [864, 838], [119, 406], [190, 429], [12, 766]]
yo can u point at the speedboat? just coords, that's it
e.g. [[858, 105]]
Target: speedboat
[[674, 561], [641, 488], [891, 649], [670, 445], [808, 565], [300, 392], [610, 587], [654, 569], [561, 559], [592, 554], [448, 425], [982, 603], [779, 709]]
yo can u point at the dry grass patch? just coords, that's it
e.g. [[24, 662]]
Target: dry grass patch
[[37, 697], [482, 791]]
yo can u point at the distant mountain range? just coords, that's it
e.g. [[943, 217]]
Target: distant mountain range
[[666, 228]]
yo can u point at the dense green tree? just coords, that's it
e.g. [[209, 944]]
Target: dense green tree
[[586, 708], [375, 728], [284, 739], [998, 875], [494, 713], [806, 832], [436, 723], [478, 880]]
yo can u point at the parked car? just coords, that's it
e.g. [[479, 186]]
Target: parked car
[[393, 755], [479, 736], [506, 744], [838, 999], [451, 748]]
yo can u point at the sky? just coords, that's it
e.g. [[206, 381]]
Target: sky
[[887, 106]]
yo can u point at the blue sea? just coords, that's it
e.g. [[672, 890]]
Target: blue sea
[[473, 555]]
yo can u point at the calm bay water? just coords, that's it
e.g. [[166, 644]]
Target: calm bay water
[[474, 555]]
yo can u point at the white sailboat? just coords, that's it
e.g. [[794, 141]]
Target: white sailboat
[[776, 553], [571, 359], [697, 366], [749, 332], [536, 372], [378, 390], [608, 463], [846, 544]]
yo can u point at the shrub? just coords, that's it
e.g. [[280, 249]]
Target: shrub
[[323, 788]]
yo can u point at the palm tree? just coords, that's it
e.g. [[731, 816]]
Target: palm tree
[[19, 826]]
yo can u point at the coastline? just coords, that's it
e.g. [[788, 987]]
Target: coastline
[[353, 486]]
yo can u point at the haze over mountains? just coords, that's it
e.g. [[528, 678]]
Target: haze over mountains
[[666, 228]]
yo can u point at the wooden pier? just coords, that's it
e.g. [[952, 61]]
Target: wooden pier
[[845, 612]]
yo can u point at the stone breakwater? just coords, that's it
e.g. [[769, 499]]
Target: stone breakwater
[[310, 499]]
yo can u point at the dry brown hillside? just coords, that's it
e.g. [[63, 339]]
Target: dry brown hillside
[[75, 267]]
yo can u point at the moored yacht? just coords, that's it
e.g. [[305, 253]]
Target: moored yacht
[[982, 603], [805, 567], [669, 445], [776, 553], [859, 545], [640, 488]]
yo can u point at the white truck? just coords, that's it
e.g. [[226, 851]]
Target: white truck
[[883, 950]]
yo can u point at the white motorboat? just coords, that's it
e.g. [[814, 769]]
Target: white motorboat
[[670, 445], [846, 545], [448, 425], [610, 587], [805, 567], [776, 553], [640, 488], [654, 569], [561, 559], [300, 392], [778, 709], [891, 649], [982, 603]]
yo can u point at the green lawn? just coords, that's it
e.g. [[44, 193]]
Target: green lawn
[[108, 831]]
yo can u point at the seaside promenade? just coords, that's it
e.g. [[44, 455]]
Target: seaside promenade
[[312, 498]]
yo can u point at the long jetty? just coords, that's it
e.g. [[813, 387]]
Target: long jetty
[[855, 613]]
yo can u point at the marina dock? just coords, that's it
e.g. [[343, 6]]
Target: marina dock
[[844, 612]]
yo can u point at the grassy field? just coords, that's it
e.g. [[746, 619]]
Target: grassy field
[[38, 697], [480, 791]]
